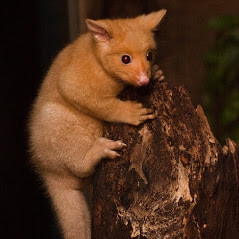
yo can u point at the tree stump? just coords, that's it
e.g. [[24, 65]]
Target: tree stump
[[173, 180]]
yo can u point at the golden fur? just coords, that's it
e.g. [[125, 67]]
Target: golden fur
[[78, 93]]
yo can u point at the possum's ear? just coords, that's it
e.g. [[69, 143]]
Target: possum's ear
[[98, 30], [152, 20]]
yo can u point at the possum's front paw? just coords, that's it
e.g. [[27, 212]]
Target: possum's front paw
[[135, 114], [105, 148], [157, 73]]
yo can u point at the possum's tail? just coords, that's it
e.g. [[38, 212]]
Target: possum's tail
[[71, 208]]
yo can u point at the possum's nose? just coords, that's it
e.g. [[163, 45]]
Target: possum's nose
[[142, 79]]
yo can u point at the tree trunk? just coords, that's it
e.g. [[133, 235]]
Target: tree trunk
[[173, 180]]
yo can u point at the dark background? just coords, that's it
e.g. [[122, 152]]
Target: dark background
[[32, 33]]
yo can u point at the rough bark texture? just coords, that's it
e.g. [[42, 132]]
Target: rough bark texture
[[173, 180]]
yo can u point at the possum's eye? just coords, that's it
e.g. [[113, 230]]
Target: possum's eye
[[149, 56], [126, 59]]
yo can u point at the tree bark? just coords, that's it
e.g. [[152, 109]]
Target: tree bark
[[173, 180]]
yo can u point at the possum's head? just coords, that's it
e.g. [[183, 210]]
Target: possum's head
[[124, 47]]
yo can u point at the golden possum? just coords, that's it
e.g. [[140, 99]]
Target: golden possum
[[78, 93]]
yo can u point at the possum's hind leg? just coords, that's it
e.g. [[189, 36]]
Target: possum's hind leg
[[101, 148], [66, 191], [67, 147]]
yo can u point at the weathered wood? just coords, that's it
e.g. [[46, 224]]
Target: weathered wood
[[173, 180]]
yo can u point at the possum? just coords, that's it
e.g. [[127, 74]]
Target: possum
[[77, 95]]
